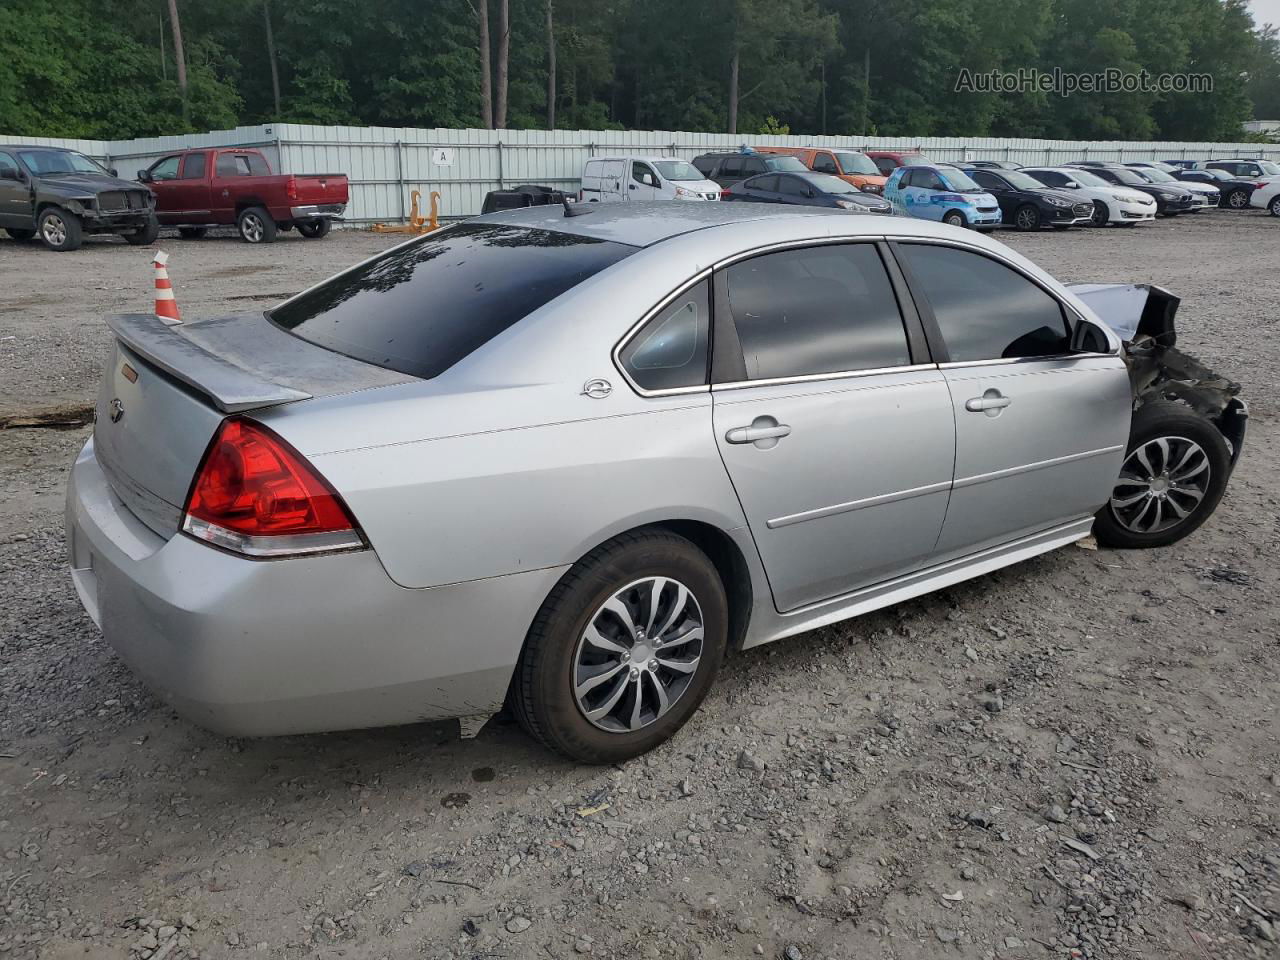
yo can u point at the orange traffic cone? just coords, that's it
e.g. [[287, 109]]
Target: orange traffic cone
[[166, 306]]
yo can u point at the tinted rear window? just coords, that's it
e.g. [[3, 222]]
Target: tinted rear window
[[421, 308]]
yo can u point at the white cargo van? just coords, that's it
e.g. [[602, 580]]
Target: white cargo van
[[609, 179]]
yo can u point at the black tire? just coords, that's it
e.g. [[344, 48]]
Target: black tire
[[1274, 207], [21, 236], [314, 229], [59, 229], [1101, 214], [543, 695], [1177, 425], [144, 236], [192, 233], [1027, 217], [955, 218], [254, 224]]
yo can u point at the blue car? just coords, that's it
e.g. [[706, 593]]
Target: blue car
[[941, 193]]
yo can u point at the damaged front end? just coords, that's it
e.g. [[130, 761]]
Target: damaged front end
[[1142, 316]]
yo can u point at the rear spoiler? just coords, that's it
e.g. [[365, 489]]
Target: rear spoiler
[[1132, 309], [179, 352]]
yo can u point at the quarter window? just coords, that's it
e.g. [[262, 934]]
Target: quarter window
[[822, 309], [193, 167], [985, 310], [671, 350]]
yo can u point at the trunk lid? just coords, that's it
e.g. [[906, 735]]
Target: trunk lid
[[166, 390]]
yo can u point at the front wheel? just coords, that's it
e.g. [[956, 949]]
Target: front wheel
[[315, 229], [256, 226], [60, 230], [146, 235], [1101, 215], [1027, 218], [624, 649], [954, 217], [1173, 477]]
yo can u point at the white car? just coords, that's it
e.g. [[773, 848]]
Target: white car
[[1267, 196], [609, 179], [1111, 203], [1206, 195]]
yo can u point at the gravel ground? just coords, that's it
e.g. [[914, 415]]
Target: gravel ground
[[1076, 756]]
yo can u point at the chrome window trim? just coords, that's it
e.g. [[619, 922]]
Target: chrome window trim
[[819, 377], [616, 353], [1003, 361]]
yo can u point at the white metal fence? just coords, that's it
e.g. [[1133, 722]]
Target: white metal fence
[[385, 164]]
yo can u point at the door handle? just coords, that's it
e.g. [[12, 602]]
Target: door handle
[[764, 432], [991, 403]]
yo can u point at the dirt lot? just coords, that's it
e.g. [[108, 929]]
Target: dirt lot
[[1076, 756]]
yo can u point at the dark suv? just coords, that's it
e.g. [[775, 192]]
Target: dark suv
[[60, 195], [727, 169]]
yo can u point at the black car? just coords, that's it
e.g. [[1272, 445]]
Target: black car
[[60, 195], [1234, 193], [993, 165], [727, 169], [1171, 200], [806, 189], [1027, 204]]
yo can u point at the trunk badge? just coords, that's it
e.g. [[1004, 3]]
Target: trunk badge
[[116, 410], [130, 374]]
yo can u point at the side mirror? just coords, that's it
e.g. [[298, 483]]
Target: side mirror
[[1088, 337], [144, 176], [1071, 185], [114, 172], [808, 192]]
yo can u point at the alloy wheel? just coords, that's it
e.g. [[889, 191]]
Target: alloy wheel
[[251, 227], [1161, 484], [1238, 199], [1100, 214], [54, 230], [638, 654], [1028, 219]]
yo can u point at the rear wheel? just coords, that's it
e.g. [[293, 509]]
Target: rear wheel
[[60, 230], [144, 236], [1238, 199], [315, 229], [1173, 478], [624, 649], [1101, 215], [192, 233], [1274, 206], [955, 218], [1027, 217], [256, 226]]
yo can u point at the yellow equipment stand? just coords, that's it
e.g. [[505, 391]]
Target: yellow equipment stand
[[417, 223]]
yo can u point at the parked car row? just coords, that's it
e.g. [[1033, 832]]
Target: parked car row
[[58, 196]]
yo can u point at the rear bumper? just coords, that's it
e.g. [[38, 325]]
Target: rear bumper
[[291, 646], [318, 211]]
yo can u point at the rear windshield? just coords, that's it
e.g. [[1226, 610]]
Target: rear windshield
[[420, 308]]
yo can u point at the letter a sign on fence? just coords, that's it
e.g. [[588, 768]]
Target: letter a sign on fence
[[442, 156]]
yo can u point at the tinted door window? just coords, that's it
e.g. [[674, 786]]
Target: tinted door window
[[732, 167], [823, 163], [928, 180], [641, 173], [885, 165], [193, 167], [705, 165], [989, 180], [671, 350], [792, 187], [818, 310], [1050, 178], [166, 169], [767, 183], [753, 165], [421, 308], [985, 310]]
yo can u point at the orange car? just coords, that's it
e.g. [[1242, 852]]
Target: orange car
[[849, 165]]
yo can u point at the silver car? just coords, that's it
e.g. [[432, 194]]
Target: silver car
[[567, 459]]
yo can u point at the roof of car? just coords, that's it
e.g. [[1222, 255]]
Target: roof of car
[[644, 224]]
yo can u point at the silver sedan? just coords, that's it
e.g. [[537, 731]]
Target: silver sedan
[[566, 460]]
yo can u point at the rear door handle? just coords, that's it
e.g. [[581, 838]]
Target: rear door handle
[[764, 432]]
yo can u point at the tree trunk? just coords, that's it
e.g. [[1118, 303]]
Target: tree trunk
[[271, 55], [551, 67], [504, 45], [179, 57], [866, 90], [486, 68], [733, 91]]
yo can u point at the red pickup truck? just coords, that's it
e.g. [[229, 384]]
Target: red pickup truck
[[198, 188]]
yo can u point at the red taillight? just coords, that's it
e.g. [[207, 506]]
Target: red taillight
[[725, 192], [291, 188], [254, 494]]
